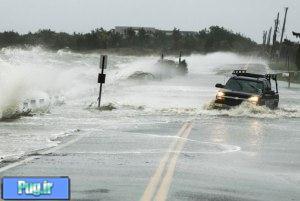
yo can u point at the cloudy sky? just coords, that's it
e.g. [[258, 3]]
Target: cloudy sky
[[249, 17]]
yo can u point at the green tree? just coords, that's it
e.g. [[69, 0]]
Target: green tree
[[114, 39], [159, 40], [130, 37], [214, 39], [8, 38], [176, 39], [143, 38]]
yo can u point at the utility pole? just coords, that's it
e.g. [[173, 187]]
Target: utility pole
[[288, 67], [283, 26], [268, 47], [265, 37], [297, 35], [273, 49], [269, 37], [276, 29]]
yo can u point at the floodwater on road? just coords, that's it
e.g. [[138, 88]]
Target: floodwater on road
[[246, 153]]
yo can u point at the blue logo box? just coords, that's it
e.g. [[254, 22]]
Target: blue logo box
[[35, 188]]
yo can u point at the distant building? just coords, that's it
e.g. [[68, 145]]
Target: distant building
[[183, 33], [167, 32], [188, 33], [122, 30]]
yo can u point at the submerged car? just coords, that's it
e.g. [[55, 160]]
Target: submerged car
[[253, 88], [180, 67]]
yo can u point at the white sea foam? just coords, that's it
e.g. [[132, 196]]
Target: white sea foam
[[67, 84]]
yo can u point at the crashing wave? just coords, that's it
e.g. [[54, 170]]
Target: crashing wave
[[140, 75], [8, 115], [28, 107]]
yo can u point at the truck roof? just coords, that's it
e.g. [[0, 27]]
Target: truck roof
[[250, 78], [266, 78], [243, 73]]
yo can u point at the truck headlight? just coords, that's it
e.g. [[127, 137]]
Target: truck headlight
[[220, 95], [253, 99]]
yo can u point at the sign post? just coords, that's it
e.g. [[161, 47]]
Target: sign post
[[101, 76]]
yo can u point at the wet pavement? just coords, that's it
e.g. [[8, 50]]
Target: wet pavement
[[215, 161]]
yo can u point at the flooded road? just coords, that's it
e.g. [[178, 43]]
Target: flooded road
[[162, 141]]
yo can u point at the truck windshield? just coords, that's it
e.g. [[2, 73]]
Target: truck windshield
[[246, 86]]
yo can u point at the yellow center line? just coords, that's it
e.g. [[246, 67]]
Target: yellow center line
[[155, 179], [163, 190]]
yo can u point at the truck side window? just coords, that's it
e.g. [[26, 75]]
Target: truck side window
[[232, 84]]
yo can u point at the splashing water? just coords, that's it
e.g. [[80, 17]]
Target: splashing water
[[64, 84], [66, 77]]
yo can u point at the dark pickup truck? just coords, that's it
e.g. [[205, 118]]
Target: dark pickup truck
[[253, 88]]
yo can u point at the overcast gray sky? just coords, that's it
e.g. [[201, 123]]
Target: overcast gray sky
[[249, 17]]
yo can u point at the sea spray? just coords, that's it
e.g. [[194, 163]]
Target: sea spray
[[67, 81]]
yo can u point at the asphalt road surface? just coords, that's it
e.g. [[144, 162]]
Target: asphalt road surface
[[200, 159]]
